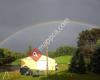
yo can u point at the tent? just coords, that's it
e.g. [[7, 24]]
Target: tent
[[41, 64]]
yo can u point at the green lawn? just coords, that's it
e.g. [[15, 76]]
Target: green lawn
[[63, 59], [59, 75]]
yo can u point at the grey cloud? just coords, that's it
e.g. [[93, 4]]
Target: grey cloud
[[17, 14]]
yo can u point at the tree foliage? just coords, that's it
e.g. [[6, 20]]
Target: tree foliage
[[64, 50], [95, 60], [87, 40], [61, 51], [77, 63], [7, 56]]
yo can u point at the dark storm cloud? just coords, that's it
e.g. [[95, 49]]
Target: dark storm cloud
[[16, 13]]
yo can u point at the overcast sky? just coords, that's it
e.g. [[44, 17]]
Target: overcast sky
[[17, 14]]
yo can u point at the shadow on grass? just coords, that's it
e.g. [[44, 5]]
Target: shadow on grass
[[65, 75], [9, 68]]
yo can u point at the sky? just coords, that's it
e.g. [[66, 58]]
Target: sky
[[18, 14], [34, 36]]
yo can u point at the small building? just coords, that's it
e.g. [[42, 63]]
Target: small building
[[41, 64]]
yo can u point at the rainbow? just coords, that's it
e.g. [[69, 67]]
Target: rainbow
[[71, 21]]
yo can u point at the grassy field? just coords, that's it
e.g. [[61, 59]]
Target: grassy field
[[63, 59], [61, 74]]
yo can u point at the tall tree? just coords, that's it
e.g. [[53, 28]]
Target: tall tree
[[77, 63], [95, 60], [87, 40]]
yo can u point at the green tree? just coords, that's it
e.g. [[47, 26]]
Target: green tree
[[87, 40], [95, 60], [1, 56], [6, 56], [64, 50], [52, 54], [77, 63]]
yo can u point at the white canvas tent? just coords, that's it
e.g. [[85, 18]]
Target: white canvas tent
[[41, 64]]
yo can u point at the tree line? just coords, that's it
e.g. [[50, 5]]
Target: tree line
[[7, 56], [62, 50]]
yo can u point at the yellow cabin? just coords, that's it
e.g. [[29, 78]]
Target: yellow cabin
[[41, 64]]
